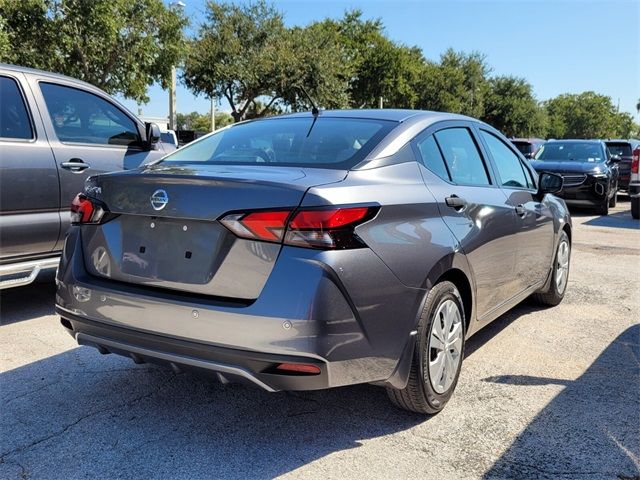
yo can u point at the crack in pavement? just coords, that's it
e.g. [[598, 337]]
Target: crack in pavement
[[62, 431]]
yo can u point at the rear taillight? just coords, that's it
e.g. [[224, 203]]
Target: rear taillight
[[635, 160], [330, 228], [83, 210]]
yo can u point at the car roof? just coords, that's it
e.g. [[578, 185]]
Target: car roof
[[581, 140], [392, 114], [632, 141], [528, 140], [16, 68]]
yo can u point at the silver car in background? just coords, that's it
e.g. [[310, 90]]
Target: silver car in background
[[316, 250]]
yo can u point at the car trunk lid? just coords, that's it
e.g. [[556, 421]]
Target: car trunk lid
[[165, 231]]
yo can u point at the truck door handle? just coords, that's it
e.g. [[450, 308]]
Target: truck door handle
[[520, 210], [455, 202], [76, 165]]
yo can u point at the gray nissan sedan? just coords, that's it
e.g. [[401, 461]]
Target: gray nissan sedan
[[315, 250]]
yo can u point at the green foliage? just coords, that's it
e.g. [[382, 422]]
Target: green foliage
[[377, 67], [511, 107], [121, 46], [244, 53], [458, 84], [587, 115], [201, 122]]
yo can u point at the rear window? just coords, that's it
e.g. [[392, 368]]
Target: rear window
[[571, 151], [620, 149], [523, 147], [324, 142]]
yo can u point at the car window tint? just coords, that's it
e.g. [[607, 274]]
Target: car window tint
[[81, 117], [462, 156], [432, 158], [14, 118], [507, 162], [322, 142]]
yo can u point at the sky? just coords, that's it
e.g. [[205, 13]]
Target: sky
[[567, 46]]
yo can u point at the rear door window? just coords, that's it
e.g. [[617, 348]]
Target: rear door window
[[14, 116], [509, 166], [431, 157], [620, 149], [461, 154], [81, 117]]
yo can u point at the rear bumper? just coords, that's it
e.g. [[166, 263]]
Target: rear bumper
[[227, 364], [342, 310]]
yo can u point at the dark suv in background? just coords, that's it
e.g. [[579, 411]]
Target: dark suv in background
[[528, 146], [589, 171], [624, 151]]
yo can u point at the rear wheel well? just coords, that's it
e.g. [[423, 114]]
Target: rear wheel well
[[460, 280], [567, 229]]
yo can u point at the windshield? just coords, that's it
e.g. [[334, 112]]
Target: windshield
[[323, 142], [570, 151], [620, 149]]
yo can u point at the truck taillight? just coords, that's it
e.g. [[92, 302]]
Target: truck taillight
[[635, 160], [326, 228], [84, 210]]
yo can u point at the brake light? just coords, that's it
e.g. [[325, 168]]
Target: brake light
[[83, 210], [635, 161], [298, 368], [330, 228]]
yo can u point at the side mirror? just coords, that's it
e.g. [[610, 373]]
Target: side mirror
[[153, 135], [549, 183]]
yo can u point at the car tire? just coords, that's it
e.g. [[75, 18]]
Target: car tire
[[613, 200], [635, 207], [603, 208], [440, 341], [561, 262]]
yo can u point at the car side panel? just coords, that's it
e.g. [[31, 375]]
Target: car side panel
[[29, 189]]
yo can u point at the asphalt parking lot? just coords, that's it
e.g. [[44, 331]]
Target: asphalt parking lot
[[544, 393]]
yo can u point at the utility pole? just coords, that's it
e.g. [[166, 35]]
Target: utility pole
[[173, 114], [213, 114], [380, 102], [173, 117]]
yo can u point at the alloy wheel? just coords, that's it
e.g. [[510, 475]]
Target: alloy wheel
[[562, 266]]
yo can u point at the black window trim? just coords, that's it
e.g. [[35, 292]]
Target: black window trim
[[102, 97], [448, 124], [34, 132], [515, 151]]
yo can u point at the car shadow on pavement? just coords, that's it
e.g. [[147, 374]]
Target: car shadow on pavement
[[591, 429], [81, 415], [615, 220], [31, 301]]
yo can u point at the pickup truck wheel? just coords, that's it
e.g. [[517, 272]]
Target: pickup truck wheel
[[635, 207], [438, 354]]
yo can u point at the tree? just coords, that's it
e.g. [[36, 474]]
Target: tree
[[584, 115], [511, 107], [201, 122], [121, 46], [458, 84], [245, 54], [377, 67]]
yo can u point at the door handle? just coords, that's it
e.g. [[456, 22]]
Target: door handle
[[455, 202], [76, 165], [520, 210]]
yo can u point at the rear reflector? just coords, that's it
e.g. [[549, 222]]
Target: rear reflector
[[327, 228], [298, 368]]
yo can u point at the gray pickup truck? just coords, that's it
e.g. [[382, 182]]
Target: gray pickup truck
[[55, 131]]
